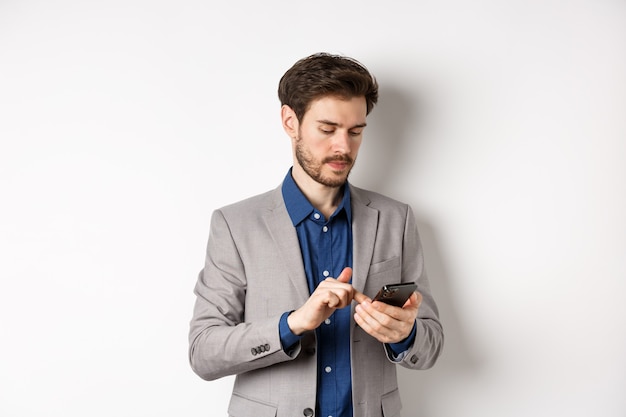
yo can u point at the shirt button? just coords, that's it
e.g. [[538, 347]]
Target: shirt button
[[328, 369], [326, 273], [327, 321], [325, 229], [316, 216]]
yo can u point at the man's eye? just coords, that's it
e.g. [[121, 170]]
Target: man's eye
[[355, 133], [328, 132]]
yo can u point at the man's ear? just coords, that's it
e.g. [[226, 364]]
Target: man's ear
[[290, 121]]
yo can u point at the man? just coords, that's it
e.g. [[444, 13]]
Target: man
[[268, 310]]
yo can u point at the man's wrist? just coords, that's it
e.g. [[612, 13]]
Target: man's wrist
[[287, 338], [404, 345], [292, 322]]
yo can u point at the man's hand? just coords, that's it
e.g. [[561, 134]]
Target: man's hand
[[329, 295], [386, 323]]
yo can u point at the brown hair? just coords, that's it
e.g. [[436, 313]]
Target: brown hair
[[324, 74]]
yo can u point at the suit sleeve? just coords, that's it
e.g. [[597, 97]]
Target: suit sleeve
[[428, 341], [221, 341]]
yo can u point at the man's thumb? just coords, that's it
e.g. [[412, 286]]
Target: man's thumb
[[345, 275]]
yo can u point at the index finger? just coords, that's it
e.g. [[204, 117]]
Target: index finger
[[359, 297]]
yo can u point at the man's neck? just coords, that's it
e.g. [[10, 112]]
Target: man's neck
[[324, 198]]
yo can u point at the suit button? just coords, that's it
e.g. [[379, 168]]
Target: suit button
[[414, 359], [267, 347], [254, 351], [308, 412]]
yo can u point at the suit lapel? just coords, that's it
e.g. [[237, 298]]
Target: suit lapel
[[286, 239], [364, 227]]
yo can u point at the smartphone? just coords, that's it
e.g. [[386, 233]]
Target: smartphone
[[395, 294]]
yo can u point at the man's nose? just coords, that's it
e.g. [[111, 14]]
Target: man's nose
[[342, 142]]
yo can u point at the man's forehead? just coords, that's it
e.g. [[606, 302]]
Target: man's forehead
[[336, 110]]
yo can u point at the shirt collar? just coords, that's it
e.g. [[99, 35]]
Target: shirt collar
[[299, 208]]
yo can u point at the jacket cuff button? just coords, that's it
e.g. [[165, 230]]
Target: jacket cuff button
[[308, 412]]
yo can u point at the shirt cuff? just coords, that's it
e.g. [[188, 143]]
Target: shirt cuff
[[287, 338], [398, 350]]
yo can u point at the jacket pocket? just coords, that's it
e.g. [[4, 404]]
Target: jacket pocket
[[391, 404], [244, 407], [384, 266]]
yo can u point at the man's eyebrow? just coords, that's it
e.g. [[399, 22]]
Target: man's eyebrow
[[329, 123]]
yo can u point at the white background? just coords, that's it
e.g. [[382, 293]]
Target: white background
[[123, 124]]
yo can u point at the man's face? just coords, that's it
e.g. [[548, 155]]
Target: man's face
[[329, 138]]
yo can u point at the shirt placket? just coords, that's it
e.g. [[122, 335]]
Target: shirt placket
[[328, 362]]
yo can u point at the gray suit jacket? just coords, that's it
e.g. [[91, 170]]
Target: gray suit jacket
[[254, 273]]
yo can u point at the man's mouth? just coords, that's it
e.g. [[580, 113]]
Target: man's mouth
[[339, 164]]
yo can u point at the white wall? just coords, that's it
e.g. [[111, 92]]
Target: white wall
[[123, 124]]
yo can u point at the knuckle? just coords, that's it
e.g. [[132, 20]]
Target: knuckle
[[386, 321], [377, 327]]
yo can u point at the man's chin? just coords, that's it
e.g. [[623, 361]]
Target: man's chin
[[336, 179]]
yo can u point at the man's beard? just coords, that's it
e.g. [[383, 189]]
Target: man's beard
[[314, 169]]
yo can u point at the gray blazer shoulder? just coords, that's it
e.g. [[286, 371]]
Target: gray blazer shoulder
[[268, 200]]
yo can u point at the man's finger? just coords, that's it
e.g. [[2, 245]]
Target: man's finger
[[359, 297], [345, 275]]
